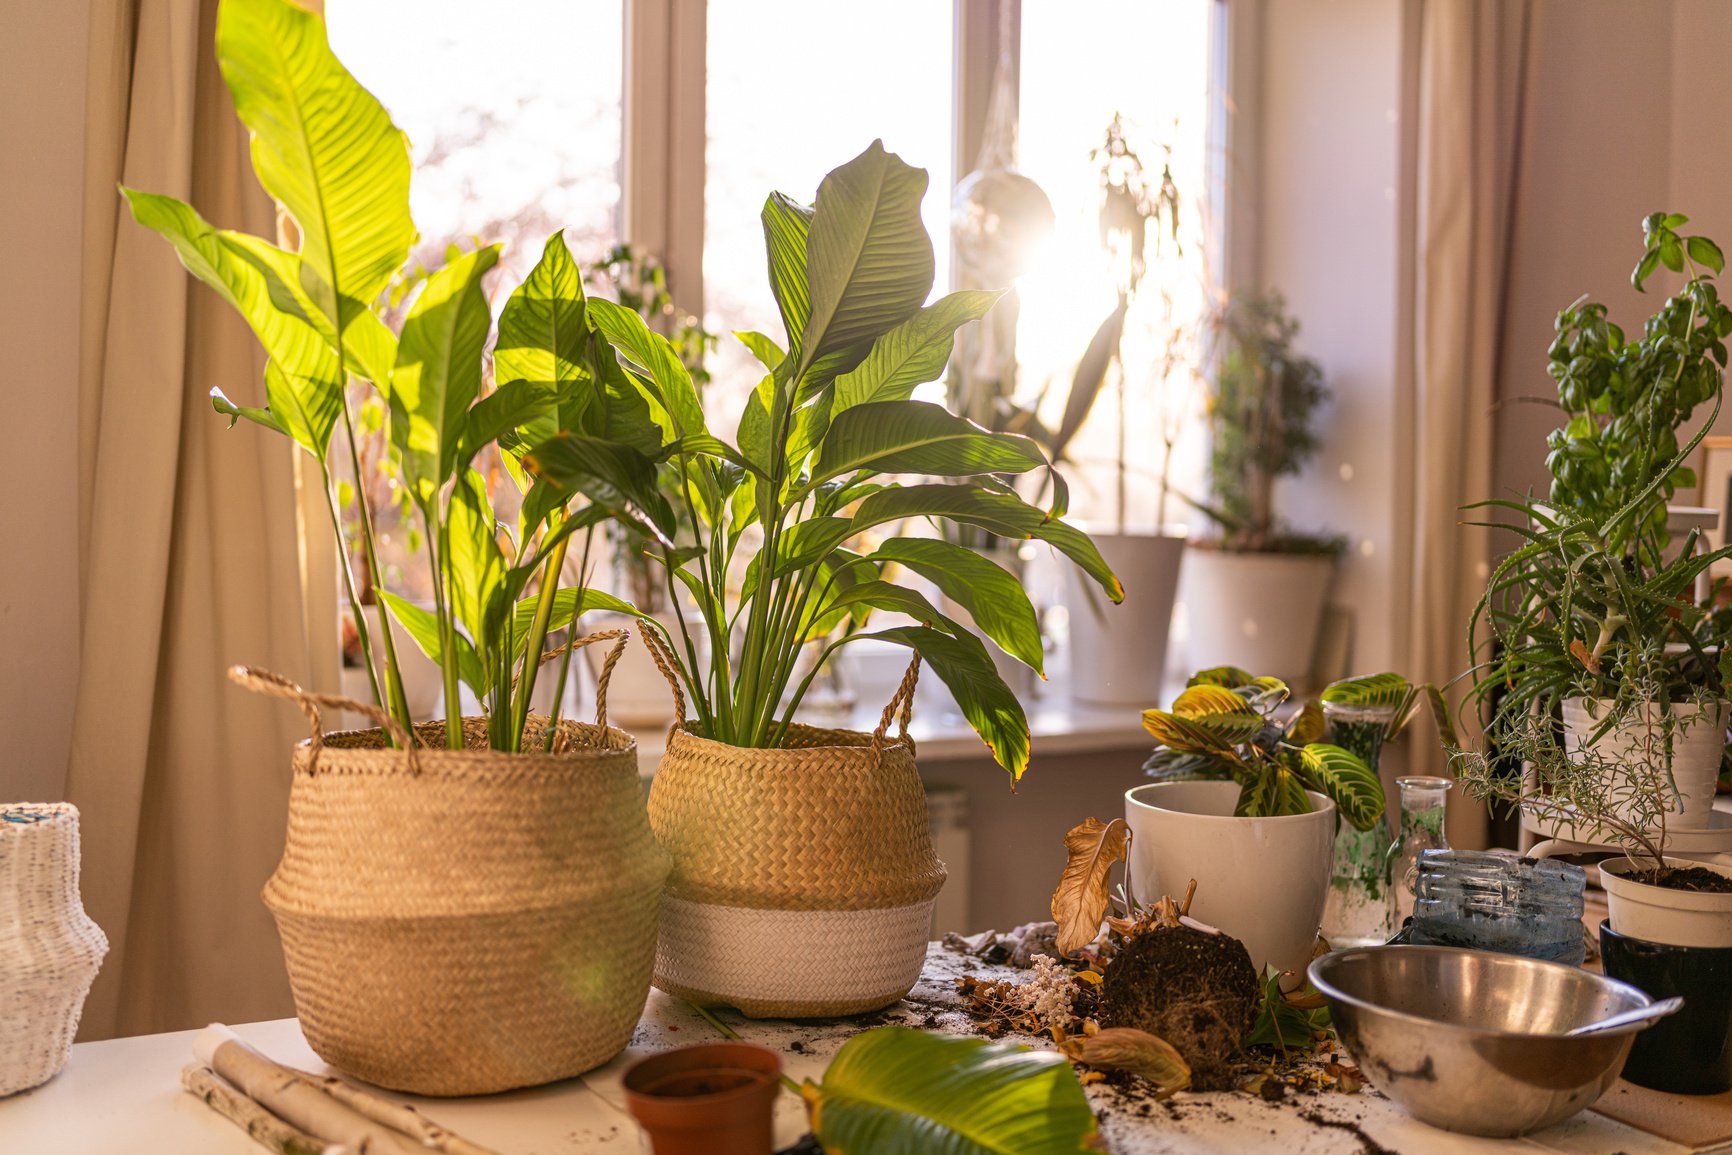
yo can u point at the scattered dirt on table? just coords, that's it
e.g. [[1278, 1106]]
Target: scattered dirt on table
[[1367, 1145]]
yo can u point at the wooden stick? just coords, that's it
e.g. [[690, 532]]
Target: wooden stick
[[399, 1116], [294, 1098], [263, 1127]]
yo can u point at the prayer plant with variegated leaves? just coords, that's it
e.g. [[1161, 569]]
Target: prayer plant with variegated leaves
[[815, 491], [589, 436], [1225, 726]]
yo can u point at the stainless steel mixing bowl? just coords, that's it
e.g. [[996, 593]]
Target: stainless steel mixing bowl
[[1473, 1041]]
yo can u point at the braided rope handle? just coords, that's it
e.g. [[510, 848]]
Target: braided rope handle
[[264, 682], [665, 662], [900, 707], [614, 654]]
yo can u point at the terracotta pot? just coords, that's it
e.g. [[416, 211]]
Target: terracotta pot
[[716, 1099]]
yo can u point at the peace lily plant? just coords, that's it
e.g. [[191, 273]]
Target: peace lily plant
[[806, 498], [596, 417]]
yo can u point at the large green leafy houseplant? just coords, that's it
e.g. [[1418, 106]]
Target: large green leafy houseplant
[[329, 155], [812, 475], [1592, 604]]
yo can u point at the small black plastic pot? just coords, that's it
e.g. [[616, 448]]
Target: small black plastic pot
[[1689, 1053]]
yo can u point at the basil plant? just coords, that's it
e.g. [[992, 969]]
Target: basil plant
[[795, 533], [337, 167]]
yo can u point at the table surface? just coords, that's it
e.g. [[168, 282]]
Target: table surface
[[124, 1095]]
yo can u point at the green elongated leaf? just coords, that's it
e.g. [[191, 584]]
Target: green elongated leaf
[[1216, 735], [1229, 677], [918, 437], [475, 566], [708, 445], [1090, 376], [1273, 790], [914, 352], [1166, 765], [1004, 514], [438, 371], [310, 388], [868, 258], [993, 598], [894, 1089], [755, 434], [1221, 712], [423, 627], [543, 339], [322, 146], [787, 223], [370, 348], [769, 354], [1371, 690], [510, 407], [668, 376], [963, 665], [1348, 782], [627, 415], [1280, 1023], [617, 477]]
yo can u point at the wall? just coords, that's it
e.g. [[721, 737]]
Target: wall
[[1630, 112], [42, 71]]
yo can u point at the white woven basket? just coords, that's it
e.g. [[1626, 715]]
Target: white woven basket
[[49, 961]]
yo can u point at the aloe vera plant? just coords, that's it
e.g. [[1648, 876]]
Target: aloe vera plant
[[1224, 726], [797, 528]]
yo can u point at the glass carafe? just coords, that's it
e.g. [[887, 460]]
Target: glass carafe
[[1424, 802], [1361, 906]]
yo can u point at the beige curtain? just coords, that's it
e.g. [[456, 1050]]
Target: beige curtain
[[190, 559], [1473, 56]]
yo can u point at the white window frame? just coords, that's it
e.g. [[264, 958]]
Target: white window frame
[[664, 131]]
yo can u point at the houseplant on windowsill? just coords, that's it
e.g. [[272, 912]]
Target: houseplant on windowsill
[[438, 884], [1235, 783], [1601, 670], [1254, 597], [803, 871]]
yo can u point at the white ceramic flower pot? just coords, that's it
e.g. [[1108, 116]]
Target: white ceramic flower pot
[[1258, 611], [1262, 880], [50, 951], [1659, 914], [1118, 653], [1698, 738]]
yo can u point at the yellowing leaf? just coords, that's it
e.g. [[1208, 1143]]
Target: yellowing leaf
[[1136, 1051], [1184, 734], [1308, 725], [1081, 898], [1201, 701]]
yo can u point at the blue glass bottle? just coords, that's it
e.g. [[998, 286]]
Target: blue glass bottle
[[1499, 902]]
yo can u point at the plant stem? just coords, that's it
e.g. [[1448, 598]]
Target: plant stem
[[537, 638], [399, 706], [447, 630], [360, 611], [728, 1032], [583, 578]]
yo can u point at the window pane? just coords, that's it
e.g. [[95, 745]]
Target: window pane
[[508, 146], [782, 114], [1083, 61]]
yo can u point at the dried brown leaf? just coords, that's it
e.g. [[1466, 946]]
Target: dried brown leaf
[[1081, 898], [1139, 1052]]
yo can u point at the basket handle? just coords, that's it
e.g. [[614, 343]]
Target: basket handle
[[665, 662], [619, 637], [900, 707], [264, 682]]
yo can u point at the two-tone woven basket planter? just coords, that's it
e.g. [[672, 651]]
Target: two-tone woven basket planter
[[458, 922], [804, 876], [50, 951]]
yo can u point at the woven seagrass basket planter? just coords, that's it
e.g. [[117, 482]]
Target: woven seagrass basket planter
[[803, 877], [459, 922], [50, 951]]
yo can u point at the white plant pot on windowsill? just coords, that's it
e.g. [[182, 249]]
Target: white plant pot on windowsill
[[1258, 611], [1118, 653]]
